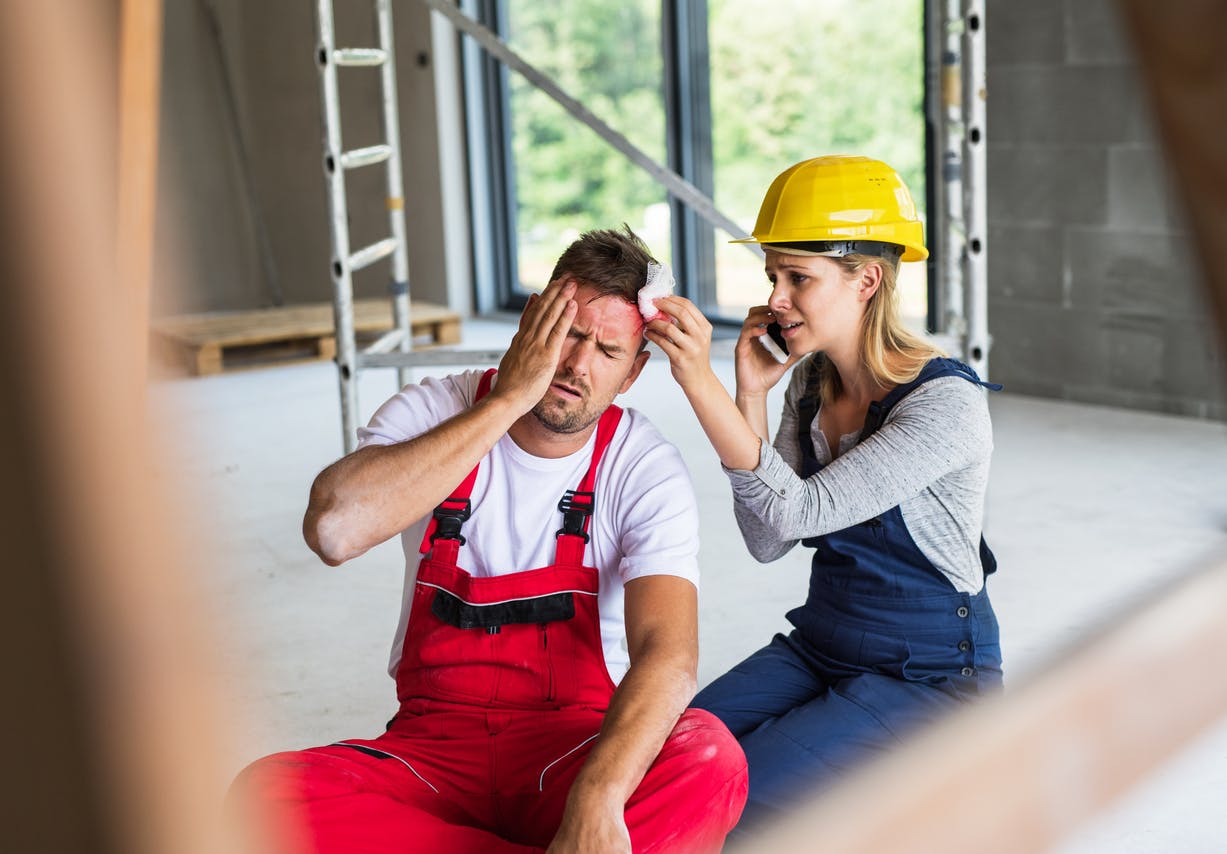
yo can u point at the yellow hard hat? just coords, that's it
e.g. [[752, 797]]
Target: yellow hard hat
[[856, 204]]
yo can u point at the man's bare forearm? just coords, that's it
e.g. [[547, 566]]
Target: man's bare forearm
[[642, 713], [662, 633], [375, 493]]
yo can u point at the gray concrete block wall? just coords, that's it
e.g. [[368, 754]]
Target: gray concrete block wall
[[1094, 291]]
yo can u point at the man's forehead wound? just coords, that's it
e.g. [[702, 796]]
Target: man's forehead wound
[[625, 311]]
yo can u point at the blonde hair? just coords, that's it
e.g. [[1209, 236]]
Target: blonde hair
[[893, 354]]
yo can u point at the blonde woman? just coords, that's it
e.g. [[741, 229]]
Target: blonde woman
[[879, 466]]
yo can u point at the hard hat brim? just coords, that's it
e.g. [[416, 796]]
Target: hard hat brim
[[910, 253]]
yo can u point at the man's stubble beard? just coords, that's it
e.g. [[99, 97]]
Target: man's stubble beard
[[565, 422], [551, 414]]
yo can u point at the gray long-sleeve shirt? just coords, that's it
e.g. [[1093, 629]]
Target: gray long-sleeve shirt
[[930, 457]]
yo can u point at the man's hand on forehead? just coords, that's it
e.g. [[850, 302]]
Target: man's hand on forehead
[[529, 364]]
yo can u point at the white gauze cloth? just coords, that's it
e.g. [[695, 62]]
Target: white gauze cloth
[[659, 284]]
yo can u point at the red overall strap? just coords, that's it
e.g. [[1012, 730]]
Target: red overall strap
[[460, 495], [569, 548]]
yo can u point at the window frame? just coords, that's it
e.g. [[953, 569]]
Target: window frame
[[686, 87]]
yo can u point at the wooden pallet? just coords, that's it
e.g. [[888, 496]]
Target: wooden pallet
[[211, 342]]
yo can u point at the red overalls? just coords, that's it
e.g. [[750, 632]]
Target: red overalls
[[503, 686]]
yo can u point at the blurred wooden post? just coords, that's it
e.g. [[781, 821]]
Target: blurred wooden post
[[140, 63], [117, 717], [1183, 64]]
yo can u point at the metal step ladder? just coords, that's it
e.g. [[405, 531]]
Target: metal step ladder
[[958, 211], [394, 349]]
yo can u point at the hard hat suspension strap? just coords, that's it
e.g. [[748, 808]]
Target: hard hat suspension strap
[[839, 248]]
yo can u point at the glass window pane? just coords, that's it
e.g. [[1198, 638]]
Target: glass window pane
[[800, 78], [568, 179]]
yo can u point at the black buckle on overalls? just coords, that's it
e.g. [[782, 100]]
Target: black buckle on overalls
[[575, 507], [449, 516]]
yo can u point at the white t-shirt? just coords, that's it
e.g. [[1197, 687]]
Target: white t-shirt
[[646, 520]]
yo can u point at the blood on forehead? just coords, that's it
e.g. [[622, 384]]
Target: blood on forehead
[[611, 319]]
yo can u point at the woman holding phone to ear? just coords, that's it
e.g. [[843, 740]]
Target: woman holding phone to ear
[[879, 466]]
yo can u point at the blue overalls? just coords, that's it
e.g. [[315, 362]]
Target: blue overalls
[[883, 643]]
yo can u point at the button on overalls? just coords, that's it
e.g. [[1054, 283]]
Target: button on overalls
[[883, 644], [503, 687]]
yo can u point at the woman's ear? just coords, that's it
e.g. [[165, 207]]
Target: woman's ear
[[871, 279]]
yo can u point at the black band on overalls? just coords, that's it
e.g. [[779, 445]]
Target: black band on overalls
[[575, 507], [449, 517], [550, 608]]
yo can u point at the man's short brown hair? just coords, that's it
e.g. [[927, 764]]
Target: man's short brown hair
[[611, 262]]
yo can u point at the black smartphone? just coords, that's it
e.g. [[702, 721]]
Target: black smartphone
[[777, 335]]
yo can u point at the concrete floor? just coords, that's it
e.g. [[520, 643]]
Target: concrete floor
[[1089, 508]]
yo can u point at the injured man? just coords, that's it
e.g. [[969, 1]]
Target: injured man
[[547, 645]]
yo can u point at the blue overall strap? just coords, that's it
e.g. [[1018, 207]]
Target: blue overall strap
[[933, 369], [807, 406], [807, 410]]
